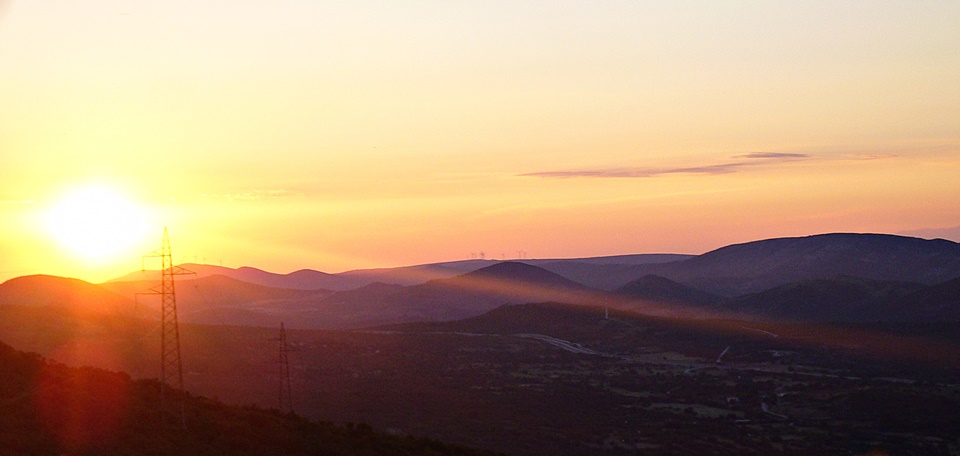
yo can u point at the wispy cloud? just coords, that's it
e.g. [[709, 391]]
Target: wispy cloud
[[773, 155], [753, 159]]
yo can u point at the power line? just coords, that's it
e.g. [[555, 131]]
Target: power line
[[171, 363], [285, 390]]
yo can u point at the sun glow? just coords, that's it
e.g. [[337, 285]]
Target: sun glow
[[96, 223]]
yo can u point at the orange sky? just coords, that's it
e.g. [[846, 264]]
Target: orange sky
[[340, 135]]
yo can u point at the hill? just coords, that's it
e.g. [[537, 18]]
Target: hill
[[417, 274], [487, 288], [583, 270], [756, 266], [605, 273], [939, 302], [661, 289], [50, 408], [304, 279], [728, 271], [839, 299], [73, 294], [532, 379], [197, 294]]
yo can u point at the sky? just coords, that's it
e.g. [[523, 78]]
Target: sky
[[336, 135]]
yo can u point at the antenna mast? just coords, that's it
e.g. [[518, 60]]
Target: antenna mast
[[171, 364]]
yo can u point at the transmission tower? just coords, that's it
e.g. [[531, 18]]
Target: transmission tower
[[285, 392], [171, 364]]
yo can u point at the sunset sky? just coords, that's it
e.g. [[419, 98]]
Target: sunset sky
[[340, 135]]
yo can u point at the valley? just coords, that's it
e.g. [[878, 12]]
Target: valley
[[513, 358], [551, 378]]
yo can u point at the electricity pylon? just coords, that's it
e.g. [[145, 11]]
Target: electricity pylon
[[285, 393], [171, 364]]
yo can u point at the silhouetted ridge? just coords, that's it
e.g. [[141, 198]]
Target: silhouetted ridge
[[45, 290], [939, 302], [479, 291], [759, 265], [842, 298], [656, 288], [50, 408], [514, 271]]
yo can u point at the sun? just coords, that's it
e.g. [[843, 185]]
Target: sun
[[96, 223]]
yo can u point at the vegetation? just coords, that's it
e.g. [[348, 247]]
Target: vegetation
[[49, 408], [501, 382]]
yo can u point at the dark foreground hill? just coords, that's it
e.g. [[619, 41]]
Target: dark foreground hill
[[47, 408], [537, 379]]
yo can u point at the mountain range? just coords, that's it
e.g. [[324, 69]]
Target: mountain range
[[525, 358], [580, 269], [830, 277]]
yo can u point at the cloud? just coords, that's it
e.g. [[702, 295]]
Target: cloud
[[773, 155], [753, 159]]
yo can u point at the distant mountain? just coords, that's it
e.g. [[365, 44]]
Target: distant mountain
[[451, 298], [590, 271], [204, 300], [939, 302], [729, 271], [594, 270], [522, 274], [233, 302], [414, 275], [790, 278], [219, 299], [840, 299], [631, 259], [476, 292], [756, 266], [604, 273], [661, 289], [51, 291], [304, 279]]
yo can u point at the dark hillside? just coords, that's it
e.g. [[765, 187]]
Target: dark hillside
[[564, 379], [939, 302], [415, 275], [304, 279], [47, 408], [514, 271], [485, 289], [656, 288], [755, 266], [839, 299], [608, 275]]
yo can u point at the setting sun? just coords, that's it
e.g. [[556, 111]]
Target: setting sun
[[96, 223]]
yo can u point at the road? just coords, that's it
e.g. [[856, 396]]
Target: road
[[572, 347]]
